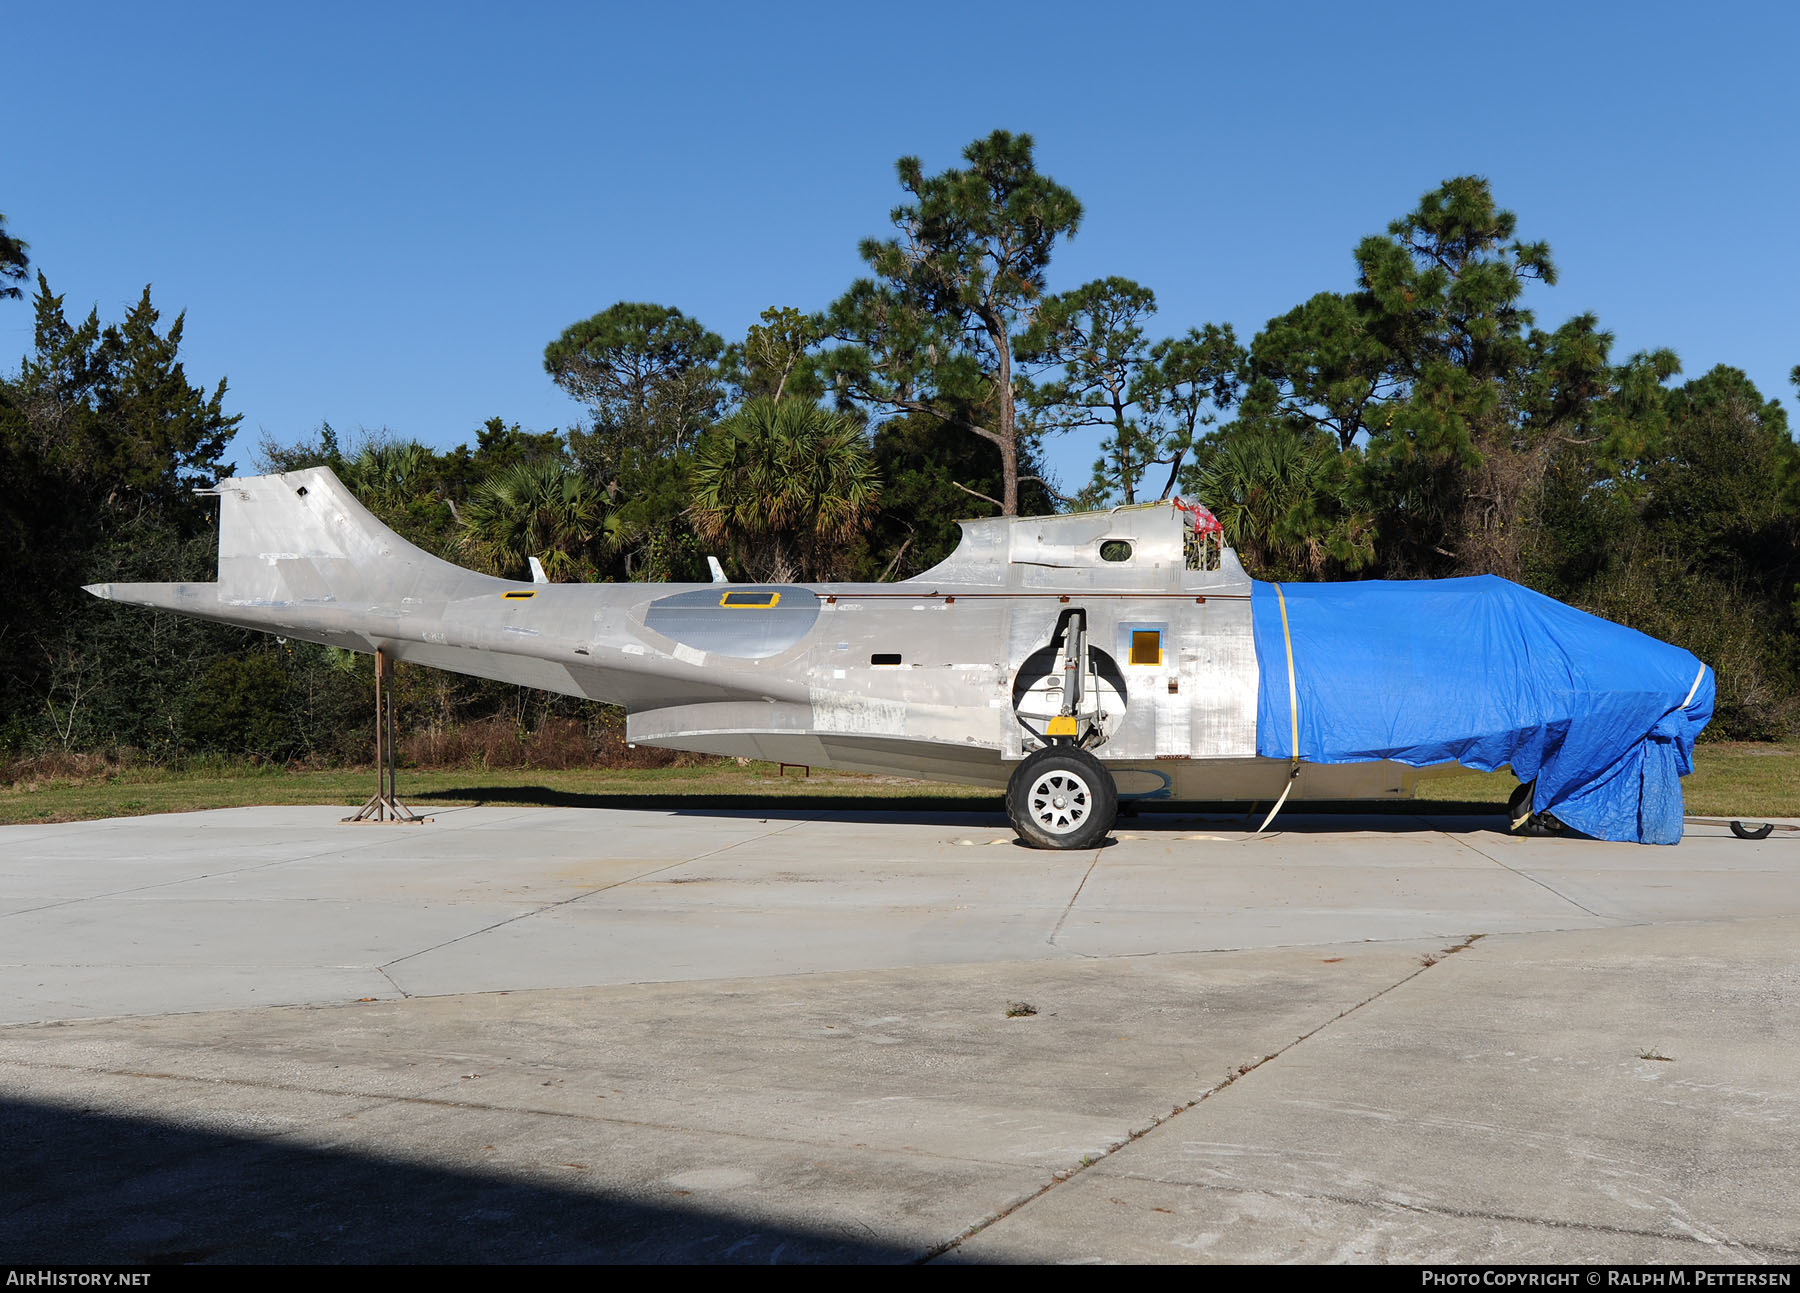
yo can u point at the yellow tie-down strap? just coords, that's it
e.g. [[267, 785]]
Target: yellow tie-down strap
[[1287, 641]]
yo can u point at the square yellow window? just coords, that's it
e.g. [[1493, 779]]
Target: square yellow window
[[1146, 646]]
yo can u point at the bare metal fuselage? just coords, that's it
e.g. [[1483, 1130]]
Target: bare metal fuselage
[[951, 675]]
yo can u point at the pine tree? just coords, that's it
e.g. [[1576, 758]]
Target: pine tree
[[933, 330]]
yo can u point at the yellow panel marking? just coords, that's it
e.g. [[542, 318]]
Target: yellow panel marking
[[520, 596], [749, 601], [1146, 646]]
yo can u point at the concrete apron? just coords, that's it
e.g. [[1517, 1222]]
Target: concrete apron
[[599, 1035]]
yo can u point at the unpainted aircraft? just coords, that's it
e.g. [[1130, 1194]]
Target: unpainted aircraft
[[1073, 660]]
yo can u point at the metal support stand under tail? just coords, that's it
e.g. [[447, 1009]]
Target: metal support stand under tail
[[384, 805]]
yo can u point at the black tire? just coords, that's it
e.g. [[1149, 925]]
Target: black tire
[[1744, 832], [1522, 821], [1518, 808], [1062, 798]]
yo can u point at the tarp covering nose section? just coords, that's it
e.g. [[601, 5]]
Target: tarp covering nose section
[[1486, 673]]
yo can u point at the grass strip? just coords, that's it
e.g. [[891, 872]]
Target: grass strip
[[1751, 781]]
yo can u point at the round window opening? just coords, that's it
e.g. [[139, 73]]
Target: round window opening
[[1115, 550]]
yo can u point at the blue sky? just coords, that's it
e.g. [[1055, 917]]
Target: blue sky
[[379, 215]]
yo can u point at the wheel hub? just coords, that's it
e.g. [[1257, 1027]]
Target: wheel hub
[[1060, 801]]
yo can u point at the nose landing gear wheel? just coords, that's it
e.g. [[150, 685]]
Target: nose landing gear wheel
[[1062, 798], [1525, 822]]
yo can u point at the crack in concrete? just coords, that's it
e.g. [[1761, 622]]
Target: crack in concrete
[[1525, 876], [371, 841], [587, 893], [376, 1100], [1073, 898], [186, 879], [1138, 1133], [1743, 1247]]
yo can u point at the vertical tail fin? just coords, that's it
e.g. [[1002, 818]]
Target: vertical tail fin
[[302, 537], [298, 539]]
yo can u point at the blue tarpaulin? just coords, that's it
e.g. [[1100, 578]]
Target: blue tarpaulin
[[1488, 674]]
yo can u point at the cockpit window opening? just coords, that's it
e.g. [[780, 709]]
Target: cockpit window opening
[[1146, 646], [1201, 549], [1115, 550]]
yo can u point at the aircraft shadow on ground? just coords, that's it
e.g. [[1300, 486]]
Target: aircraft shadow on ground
[[1146, 818], [774, 807], [86, 1187]]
